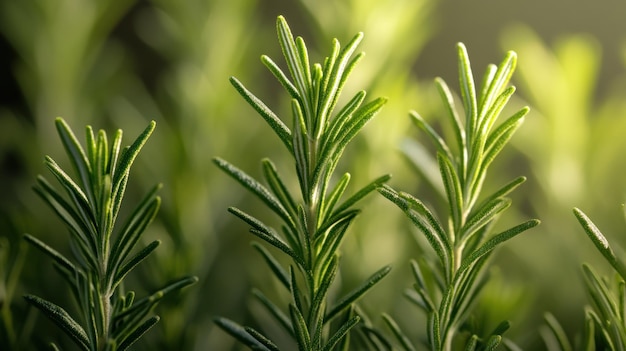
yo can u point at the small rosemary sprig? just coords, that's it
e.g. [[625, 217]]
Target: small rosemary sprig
[[446, 288], [605, 318], [111, 319], [315, 223]]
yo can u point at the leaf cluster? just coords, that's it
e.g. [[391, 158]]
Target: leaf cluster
[[103, 253], [314, 223], [447, 287]]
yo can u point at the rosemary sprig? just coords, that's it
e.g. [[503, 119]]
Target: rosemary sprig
[[104, 253], [447, 288], [315, 223], [605, 317]]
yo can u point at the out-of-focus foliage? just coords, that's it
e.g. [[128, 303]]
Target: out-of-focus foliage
[[118, 64]]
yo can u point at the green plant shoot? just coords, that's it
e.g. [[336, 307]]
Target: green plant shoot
[[315, 223], [104, 251], [447, 286], [606, 316]]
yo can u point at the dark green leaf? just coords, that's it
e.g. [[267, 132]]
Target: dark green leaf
[[316, 311], [62, 319], [591, 314], [434, 136], [601, 296], [337, 124], [468, 91], [114, 155], [373, 185], [134, 261], [422, 298], [397, 332], [355, 294], [437, 240], [84, 233], [500, 79], [252, 221], [504, 191], [501, 328], [296, 295], [274, 265], [330, 243], [292, 55], [256, 188], [490, 116], [132, 230], [424, 164], [448, 99], [278, 186], [472, 343], [56, 256], [332, 153], [129, 155], [498, 139], [341, 333], [274, 310], [281, 77], [558, 332], [334, 196], [452, 185], [301, 150], [434, 331], [600, 242], [495, 241], [493, 342], [144, 305], [76, 153], [268, 115], [239, 333], [262, 339], [274, 241], [76, 194], [359, 119], [300, 328], [589, 341], [483, 216], [137, 333], [373, 338], [339, 74]]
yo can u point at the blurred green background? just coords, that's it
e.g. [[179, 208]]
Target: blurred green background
[[119, 64]]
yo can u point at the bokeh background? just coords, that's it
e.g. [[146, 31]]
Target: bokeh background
[[121, 63]]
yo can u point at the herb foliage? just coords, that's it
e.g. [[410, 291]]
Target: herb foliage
[[315, 222], [104, 252], [447, 286]]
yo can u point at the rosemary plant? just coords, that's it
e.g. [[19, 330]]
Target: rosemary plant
[[315, 224], [110, 318], [606, 317], [447, 285]]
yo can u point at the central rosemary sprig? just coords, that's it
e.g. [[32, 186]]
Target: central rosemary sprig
[[313, 228]]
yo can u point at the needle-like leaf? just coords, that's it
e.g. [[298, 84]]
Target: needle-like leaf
[[270, 117], [62, 319], [357, 293], [240, 333]]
